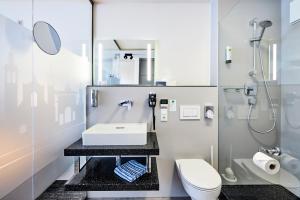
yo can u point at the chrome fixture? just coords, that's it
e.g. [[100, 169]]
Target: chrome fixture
[[94, 98], [250, 89], [126, 103], [253, 23], [273, 151], [263, 24], [256, 42], [118, 161]]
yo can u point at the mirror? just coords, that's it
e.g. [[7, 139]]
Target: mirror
[[46, 38], [124, 62]]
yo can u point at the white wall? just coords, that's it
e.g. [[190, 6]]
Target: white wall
[[182, 31], [42, 96], [198, 136]]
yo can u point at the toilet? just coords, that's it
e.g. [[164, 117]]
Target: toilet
[[199, 179]]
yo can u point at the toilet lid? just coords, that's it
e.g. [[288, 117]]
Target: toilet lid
[[200, 174]]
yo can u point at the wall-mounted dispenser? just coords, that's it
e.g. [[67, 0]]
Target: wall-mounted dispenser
[[228, 55], [94, 97]]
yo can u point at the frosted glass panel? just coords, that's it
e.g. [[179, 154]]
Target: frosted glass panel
[[59, 86], [290, 93], [15, 106], [42, 97]]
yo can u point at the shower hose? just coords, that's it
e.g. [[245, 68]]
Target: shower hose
[[267, 87]]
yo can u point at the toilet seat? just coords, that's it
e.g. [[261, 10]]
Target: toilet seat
[[199, 174], [201, 189]]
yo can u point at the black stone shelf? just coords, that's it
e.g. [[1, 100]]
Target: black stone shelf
[[256, 192], [151, 148], [98, 175]]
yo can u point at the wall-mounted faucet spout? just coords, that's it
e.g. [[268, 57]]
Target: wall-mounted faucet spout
[[126, 103]]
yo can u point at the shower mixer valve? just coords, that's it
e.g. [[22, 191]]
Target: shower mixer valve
[[250, 89]]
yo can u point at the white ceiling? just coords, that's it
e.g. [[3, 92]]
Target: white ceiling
[[150, 1]]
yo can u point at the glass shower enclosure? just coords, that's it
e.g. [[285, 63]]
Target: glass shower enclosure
[[273, 123]]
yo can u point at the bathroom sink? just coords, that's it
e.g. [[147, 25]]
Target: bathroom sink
[[115, 134]]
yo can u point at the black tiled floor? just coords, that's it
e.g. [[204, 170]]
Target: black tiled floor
[[233, 192], [57, 192]]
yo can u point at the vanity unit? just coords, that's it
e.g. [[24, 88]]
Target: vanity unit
[[97, 172]]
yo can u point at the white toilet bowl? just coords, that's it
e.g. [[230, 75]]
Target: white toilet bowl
[[199, 179]]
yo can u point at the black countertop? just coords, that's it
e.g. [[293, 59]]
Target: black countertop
[[98, 175], [151, 148]]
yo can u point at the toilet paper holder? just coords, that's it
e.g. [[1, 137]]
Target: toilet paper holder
[[209, 111], [275, 151]]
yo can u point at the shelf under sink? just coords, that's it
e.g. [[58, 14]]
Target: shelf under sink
[[98, 175]]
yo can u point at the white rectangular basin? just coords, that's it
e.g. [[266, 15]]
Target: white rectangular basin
[[116, 134]]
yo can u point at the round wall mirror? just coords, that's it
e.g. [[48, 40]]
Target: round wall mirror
[[46, 38]]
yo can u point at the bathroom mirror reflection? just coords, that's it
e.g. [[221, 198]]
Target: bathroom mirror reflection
[[124, 62], [46, 37]]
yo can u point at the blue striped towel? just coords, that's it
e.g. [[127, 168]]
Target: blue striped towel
[[130, 171]]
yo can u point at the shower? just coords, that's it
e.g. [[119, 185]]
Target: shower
[[263, 24], [251, 90]]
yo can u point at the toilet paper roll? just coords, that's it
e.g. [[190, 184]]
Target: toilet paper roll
[[209, 114], [266, 163], [290, 163]]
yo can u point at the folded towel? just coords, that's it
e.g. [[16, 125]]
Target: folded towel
[[130, 171]]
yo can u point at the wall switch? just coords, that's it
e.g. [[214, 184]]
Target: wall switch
[[173, 105], [164, 109], [164, 115]]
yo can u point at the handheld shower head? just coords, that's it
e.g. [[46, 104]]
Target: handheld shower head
[[264, 24]]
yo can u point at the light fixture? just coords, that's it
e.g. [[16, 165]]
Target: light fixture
[[83, 50], [149, 63], [100, 63], [128, 55], [274, 62], [269, 61]]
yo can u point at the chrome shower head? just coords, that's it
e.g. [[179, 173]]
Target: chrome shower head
[[264, 24]]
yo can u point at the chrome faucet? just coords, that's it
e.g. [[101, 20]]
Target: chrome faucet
[[273, 151], [94, 97], [126, 103]]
